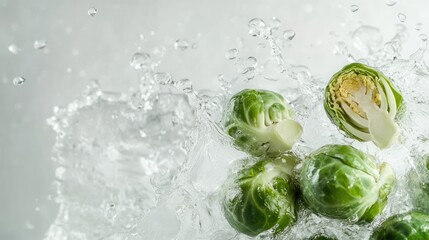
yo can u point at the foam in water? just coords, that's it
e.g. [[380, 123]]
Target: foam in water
[[150, 164]]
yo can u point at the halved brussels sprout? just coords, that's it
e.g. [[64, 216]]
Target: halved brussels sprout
[[342, 182], [261, 122], [262, 197], [418, 184], [363, 103], [408, 226]]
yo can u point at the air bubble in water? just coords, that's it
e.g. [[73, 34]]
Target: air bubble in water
[[231, 54], [354, 8], [18, 81], [13, 48], [419, 26], [92, 11], [163, 78], [140, 60], [256, 26], [181, 44], [39, 44], [402, 17], [251, 62], [289, 34], [391, 2]]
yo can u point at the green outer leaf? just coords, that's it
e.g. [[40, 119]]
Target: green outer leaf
[[262, 197], [408, 226], [342, 182], [250, 120], [336, 114]]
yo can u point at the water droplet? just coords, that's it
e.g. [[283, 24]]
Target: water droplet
[[289, 34], [18, 81], [402, 17], [142, 36], [423, 37], [92, 11], [276, 23], [231, 54], [251, 62], [194, 45], [181, 44], [13, 48], [184, 85], [391, 2], [163, 78], [256, 25], [249, 73], [39, 44], [354, 8], [140, 60], [419, 26]]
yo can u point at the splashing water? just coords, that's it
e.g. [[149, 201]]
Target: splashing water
[[150, 164]]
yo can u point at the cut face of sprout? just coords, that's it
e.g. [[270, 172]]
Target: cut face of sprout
[[364, 104]]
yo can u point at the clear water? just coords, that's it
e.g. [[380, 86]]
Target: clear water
[[150, 163]]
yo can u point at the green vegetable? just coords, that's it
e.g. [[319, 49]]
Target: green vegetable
[[261, 122], [418, 185], [342, 182], [408, 226], [262, 197], [363, 103], [321, 237]]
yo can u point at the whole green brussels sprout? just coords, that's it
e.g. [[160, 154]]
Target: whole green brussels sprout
[[321, 237], [262, 197], [363, 103], [408, 226], [261, 122], [339, 181], [418, 185]]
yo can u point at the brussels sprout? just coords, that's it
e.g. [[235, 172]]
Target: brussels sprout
[[262, 197], [408, 226], [418, 185], [363, 103], [261, 122], [321, 237], [342, 182]]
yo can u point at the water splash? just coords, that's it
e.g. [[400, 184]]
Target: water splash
[[150, 163]]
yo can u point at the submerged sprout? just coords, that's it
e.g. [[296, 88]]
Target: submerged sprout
[[342, 182], [407, 226], [262, 197], [321, 237], [261, 122], [418, 185], [363, 103]]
